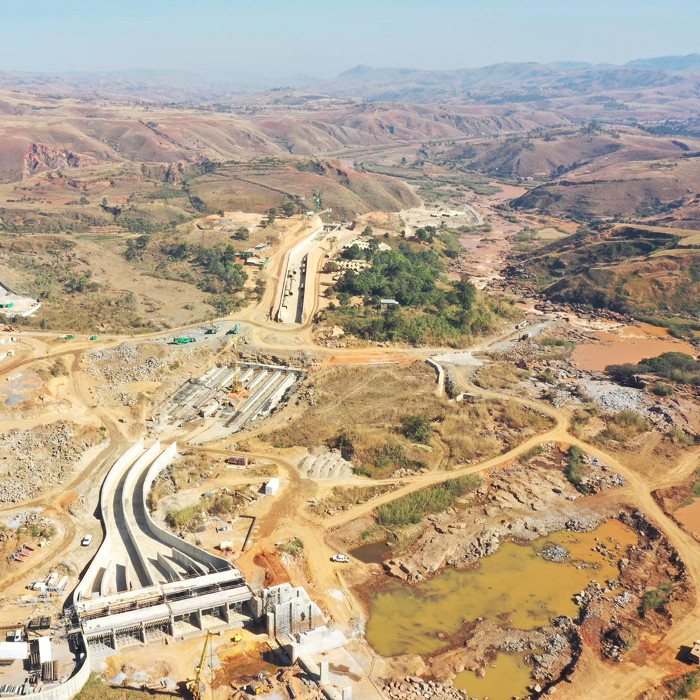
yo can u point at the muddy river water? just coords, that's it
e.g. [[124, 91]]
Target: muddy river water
[[515, 587], [627, 344], [689, 515]]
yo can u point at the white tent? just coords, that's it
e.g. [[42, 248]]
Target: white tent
[[13, 651]]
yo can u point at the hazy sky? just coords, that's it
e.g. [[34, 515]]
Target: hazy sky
[[321, 38]]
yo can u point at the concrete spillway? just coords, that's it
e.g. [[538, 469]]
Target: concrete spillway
[[144, 581]]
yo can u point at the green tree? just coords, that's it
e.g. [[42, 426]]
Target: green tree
[[416, 428]]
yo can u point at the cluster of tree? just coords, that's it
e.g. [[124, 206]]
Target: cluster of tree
[[676, 367], [431, 308], [219, 263]]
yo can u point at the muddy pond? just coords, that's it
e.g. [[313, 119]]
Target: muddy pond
[[627, 344], [515, 587], [689, 515], [507, 677]]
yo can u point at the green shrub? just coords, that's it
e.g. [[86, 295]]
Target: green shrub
[[188, 518], [416, 428], [656, 599], [662, 389], [294, 548], [685, 686], [411, 508], [575, 468]]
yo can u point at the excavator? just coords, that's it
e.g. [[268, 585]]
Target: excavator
[[195, 686]]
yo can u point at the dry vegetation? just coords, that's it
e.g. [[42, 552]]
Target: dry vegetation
[[370, 414], [342, 497], [499, 375], [481, 430]]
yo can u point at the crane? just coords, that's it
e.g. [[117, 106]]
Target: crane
[[195, 685]]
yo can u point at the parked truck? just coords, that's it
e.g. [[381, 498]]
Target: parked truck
[[183, 340]]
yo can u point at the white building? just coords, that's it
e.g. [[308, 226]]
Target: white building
[[272, 486]]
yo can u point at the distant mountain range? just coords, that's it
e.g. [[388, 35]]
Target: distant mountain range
[[499, 83], [679, 64], [511, 81]]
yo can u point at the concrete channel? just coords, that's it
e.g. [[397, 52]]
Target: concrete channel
[[144, 582]]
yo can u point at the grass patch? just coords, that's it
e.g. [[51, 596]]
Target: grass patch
[[416, 429], [411, 509], [294, 547], [557, 348], [191, 517], [624, 426], [580, 419], [656, 599], [97, 689], [498, 375], [662, 389], [575, 469], [685, 685], [39, 530]]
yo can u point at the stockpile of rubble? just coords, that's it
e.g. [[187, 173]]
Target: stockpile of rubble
[[38, 459], [124, 364], [418, 688]]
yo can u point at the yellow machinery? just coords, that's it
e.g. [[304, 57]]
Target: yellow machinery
[[195, 685]]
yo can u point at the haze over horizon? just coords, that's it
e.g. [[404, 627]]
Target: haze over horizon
[[275, 40]]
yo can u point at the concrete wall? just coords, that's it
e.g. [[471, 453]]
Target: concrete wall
[[104, 553], [129, 485], [69, 689], [165, 458], [440, 376]]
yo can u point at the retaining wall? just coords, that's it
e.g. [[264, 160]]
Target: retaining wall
[[106, 492], [165, 458], [127, 506]]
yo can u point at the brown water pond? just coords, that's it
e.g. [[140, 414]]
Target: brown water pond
[[515, 587], [507, 677], [627, 344], [372, 553], [689, 516]]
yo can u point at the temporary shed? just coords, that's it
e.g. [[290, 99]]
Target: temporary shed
[[45, 652], [272, 486], [13, 651]]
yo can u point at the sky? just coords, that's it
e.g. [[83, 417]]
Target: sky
[[279, 38]]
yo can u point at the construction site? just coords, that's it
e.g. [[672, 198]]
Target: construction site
[[233, 395], [377, 506], [145, 585]]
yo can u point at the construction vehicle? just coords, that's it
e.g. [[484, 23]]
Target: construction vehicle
[[195, 686], [182, 340], [93, 337], [70, 336], [8, 305], [236, 637], [212, 330]]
